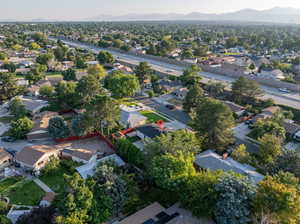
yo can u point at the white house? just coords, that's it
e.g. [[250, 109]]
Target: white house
[[132, 119]]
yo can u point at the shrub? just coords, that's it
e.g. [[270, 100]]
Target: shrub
[[58, 128], [20, 128]]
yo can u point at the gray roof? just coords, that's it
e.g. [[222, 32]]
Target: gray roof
[[131, 117], [213, 161]]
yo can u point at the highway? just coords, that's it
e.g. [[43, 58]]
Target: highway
[[288, 99]]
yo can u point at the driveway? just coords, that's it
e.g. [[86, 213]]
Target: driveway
[[240, 133]]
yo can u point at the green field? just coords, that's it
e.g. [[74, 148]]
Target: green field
[[152, 116], [21, 192]]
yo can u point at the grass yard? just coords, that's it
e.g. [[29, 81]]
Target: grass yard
[[55, 180], [7, 183], [25, 193], [152, 116]]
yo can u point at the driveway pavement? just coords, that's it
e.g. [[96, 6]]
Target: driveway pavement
[[240, 133]]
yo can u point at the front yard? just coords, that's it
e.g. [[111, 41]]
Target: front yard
[[21, 191], [152, 116]]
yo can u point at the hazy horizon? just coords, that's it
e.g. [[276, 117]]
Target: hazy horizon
[[78, 9]]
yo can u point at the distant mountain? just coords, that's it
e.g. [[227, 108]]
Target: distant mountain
[[274, 15]]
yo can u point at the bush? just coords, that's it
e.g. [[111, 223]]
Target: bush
[[4, 220], [129, 152], [79, 125], [3, 207], [58, 128], [20, 128]]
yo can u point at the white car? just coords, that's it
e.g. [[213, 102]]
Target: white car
[[284, 90]]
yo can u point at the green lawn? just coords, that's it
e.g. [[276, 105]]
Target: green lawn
[[7, 183], [55, 180], [25, 193], [152, 116]]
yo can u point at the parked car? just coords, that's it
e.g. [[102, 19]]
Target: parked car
[[284, 90], [8, 139], [170, 106]]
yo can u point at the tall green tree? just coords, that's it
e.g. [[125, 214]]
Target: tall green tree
[[17, 108], [191, 76], [270, 148], [19, 128], [122, 85], [97, 70], [143, 71], [8, 87], [214, 121], [193, 98], [69, 75], [105, 57], [65, 94]]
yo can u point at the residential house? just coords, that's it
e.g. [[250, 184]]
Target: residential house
[[148, 132], [54, 80], [290, 127], [88, 170], [212, 161], [169, 85], [5, 159], [36, 157], [32, 105], [266, 113], [131, 118], [235, 108], [80, 156], [34, 90], [41, 123]]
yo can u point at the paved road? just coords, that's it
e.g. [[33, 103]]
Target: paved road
[[289, 99]]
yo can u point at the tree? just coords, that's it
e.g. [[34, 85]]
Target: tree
[[278, 199], [252, 67], [11, 67], [8, 87], [44, 59], [4, 220], [41, 215], [36, 74], [215, 89], [65, 94], [34, 46], [198, 193], [175, 143], [60, 53], [3, 56], [88, 87], [80, 62], [244, 87], [269, 150], [288, 161], [240, 154], [105, 57], [17, 108], [143, 71], [122, 85], [129, 152], [113, 185], [69, 75], [46, 91], [58, 128], [193, 98], [77, 203], [80, 125], [97, 70], [263, 127], [168, 170], [187, 53], [191, 76], [102, 112], [235, 195], [20, 128], [214, 121]]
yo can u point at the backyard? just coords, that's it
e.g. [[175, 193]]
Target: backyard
[[152, 116], [21, 191]]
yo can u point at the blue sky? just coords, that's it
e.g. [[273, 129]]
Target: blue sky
[[78, 9]]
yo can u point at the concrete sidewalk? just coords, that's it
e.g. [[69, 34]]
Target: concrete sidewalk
[[43, 185]]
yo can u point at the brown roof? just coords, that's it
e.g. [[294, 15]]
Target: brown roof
[[81, 154], [144, 214], [4, 155], [41, 121], [271, 110], [31, 154]]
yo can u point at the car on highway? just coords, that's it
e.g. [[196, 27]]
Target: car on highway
[[284, 90]]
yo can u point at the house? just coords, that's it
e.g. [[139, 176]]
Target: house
[[266, 113], [148, 132], [35, 157], [41, 123], [180, 93], [32, 105], [131, 119], [156, 213], [235, 108], [47, 199], [169, 85], [34, 89], [5, 159], [80, 156], [290, 127], [88, 170], [212, 161], [54, 80]]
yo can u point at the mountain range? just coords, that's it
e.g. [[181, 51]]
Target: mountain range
[[274, 15]]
